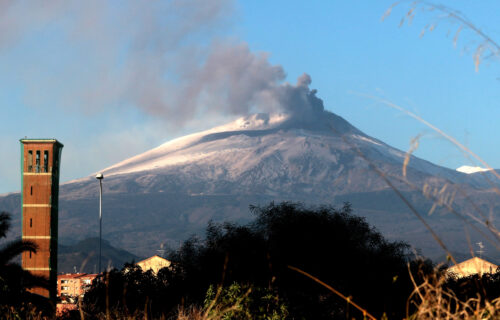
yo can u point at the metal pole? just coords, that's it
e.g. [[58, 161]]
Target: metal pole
[[100, 222], [99, 177]]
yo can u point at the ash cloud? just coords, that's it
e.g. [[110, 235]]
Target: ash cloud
[[170, 59], [300, 101]]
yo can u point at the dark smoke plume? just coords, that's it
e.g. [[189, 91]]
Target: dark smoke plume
[[170, 59]]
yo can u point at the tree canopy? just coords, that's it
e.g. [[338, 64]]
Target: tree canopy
[[334, 245]]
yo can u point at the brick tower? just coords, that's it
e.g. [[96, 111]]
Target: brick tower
[[40, 161]]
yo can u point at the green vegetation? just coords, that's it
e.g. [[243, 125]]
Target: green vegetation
[[265, 270], [249, 264], [14, 281]]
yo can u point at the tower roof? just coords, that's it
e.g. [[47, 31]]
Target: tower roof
[[41, 140]]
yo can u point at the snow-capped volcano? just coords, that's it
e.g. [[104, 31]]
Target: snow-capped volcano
[[301, 153], [177, 151], [172, 191], [302, 112], [275, 153]]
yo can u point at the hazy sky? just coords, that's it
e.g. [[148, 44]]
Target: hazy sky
[[113, 79]]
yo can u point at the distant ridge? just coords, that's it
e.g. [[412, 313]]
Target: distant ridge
[[83, 256]]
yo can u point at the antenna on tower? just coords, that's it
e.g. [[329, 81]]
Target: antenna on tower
[[481, 247], [161, 251]]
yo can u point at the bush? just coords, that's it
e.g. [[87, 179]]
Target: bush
[[333, 245]]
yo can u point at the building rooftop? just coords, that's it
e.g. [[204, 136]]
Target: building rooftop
[[76, 275], [472, 266], [154, 263]]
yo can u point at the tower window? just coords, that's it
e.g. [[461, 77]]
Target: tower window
[[30, 254], [31, 190], [30, 160], [37, 164], [31, 222], [45, 161]]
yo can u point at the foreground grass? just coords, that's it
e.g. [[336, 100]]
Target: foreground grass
[[432, 298]]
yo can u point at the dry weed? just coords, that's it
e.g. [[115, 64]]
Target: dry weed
[[432, 300], [27, 311]]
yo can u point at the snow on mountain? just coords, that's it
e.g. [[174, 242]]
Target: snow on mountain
[[285, 145], [174, 152], [471, 169], [299, 145], [301, 153], [172, 191]]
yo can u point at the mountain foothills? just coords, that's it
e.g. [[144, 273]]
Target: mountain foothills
[[301, 154], [83, 256]]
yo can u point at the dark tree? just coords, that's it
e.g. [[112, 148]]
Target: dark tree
[[486, 286], [131, 292], [340, 249], [333, 245], [13, 279]]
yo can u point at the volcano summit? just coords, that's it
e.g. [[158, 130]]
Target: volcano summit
[[303, 153]]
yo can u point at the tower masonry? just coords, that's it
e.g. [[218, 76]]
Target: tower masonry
[[40, 164]]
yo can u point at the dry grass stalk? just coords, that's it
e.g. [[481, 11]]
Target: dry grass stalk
[[486, 48], [27, 311], [486, 222], [446, 136], [365, 313], [192, 313], [414, 143], [432, 301], [407, 202]]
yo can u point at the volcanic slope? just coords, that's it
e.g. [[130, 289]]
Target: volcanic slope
[[171, 192]]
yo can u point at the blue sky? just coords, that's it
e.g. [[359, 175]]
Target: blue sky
[[105, 78]]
